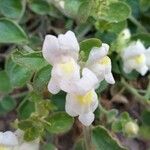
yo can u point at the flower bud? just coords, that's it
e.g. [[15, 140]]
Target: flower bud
[[131, 128]]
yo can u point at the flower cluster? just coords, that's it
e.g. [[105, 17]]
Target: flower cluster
[[14, 141], [63, 53], [136, 57]]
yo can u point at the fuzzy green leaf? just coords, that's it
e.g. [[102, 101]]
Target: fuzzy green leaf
[[60, 123], [103, 140], [11, 32]]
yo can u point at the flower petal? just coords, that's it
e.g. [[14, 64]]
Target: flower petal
[[8, 138], [53, 86], [135, 48], [87, 119], [50, 48], [109, 78], [69, 44], [142, 70], [97, 53], [86, 83], [69, 106]]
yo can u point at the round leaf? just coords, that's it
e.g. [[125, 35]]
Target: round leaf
[[103, 140], [11, 8], [60, 122], [11, 32], [5, 85]]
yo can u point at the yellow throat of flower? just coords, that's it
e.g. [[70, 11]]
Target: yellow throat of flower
[[86, 99], [105, 60], [3, 147], [139, 59], [67, 67]]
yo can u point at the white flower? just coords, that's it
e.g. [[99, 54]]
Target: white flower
[[100, 63], [82, 106], [134, 58], [82, 85], [63, 73], [7, 140], [23, 145], [62, 53], [147, 54], [54, 49]]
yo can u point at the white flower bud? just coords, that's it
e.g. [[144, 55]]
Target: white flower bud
[[131, 128]]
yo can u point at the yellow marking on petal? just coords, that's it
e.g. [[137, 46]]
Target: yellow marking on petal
[[86, 99], [67, 67], [105, 60], [3, 147], [139, 59]]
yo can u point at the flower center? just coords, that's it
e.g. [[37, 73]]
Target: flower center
[[105, 60], [2, 147], [139, 59], [67, 67], [86, 99]]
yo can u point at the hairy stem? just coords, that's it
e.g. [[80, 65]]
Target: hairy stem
[[137, 23], [141, 99], [87, 138]]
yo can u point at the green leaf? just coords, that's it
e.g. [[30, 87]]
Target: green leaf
[[11, 8], [103, 140], [146, 117], [72, 7], [11, 32], [103, 85], [87, 45], [40, 7], [26, 108], [33, 61], [115, 12], [43, 108], [134, 4], [49, 147], [5, 85], [84, 12], [59, 100], [18, 75], [34, 97], [144, 37], [111, 115], [31, 134], [60, 123], [42, 78], [7, 103], [25, 124]]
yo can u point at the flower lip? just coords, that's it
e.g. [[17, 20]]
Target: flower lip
[[134, 49], [85, 99], [56, 47], [8, 138]]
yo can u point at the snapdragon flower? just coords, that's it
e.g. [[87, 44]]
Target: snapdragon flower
[[23, 145], [8, 140], [134, 58], [100, 63], [82, 106], [62, 53]]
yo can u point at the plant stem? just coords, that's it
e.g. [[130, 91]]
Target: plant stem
[[87, 138], [141, 99], [137, 23]]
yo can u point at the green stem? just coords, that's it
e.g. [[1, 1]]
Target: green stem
[[141, 99], [137, 23], [147, 94], [87, 138]]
